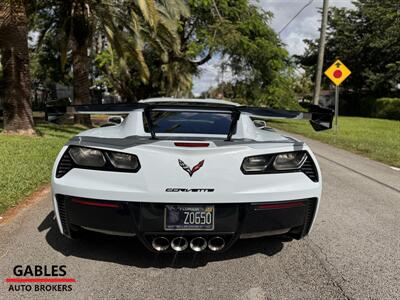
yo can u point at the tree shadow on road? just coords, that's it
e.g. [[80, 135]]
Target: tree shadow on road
[[131, 252]]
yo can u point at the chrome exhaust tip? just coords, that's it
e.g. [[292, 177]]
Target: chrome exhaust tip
[[160, 243], [216, 243], [179, 244], [198, 244]]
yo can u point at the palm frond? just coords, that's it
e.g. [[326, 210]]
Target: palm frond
[[149, 11]]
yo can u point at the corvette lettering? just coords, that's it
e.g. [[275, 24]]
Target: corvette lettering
[[182, 190]]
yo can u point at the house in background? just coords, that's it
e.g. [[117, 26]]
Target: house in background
[[326, 98]]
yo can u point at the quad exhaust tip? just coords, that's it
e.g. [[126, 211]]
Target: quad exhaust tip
[[160, 243], [198, 244], [179, 244], [216, 243]]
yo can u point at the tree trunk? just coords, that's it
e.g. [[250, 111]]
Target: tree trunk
[[80, 82], [80, 61], [18, 118]]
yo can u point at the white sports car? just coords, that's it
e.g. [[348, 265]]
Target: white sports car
[[188, 175]]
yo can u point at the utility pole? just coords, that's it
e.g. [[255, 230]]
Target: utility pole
[[321, 51]]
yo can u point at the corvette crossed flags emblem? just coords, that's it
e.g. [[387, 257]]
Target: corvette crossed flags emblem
[[192, 170]]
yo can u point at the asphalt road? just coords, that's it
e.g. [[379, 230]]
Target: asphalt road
[[352, 253]]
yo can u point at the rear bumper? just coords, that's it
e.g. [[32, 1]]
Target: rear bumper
[[146, 220]]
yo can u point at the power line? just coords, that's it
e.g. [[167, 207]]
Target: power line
[[295, 16]]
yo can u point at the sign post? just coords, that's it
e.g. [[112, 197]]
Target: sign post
[[336, 108], [337, 73]]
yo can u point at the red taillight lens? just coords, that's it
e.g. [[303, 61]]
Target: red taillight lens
[[193, 145], [280, 205], [94, 203]]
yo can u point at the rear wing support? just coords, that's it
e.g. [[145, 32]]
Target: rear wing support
[[235, 118], [147, 114]]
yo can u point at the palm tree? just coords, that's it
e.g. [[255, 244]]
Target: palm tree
[[159, 47], [15, 61], [125, 23]]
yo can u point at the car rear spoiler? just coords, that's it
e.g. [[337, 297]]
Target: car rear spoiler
[[320, 118]]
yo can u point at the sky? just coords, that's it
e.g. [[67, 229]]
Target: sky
[[305, 26]]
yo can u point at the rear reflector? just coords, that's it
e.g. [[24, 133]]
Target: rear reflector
[[279, 205], [92, 203], [195, 145]]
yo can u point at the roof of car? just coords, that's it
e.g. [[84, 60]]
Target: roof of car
[[190, 100]]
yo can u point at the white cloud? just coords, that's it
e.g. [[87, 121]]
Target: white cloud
[[209, 76], [305, 26]]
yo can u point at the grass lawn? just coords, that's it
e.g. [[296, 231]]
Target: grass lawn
[[26, 162], [377, 139]]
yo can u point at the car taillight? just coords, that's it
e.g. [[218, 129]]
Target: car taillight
[[274, 162], [280, 205], [256, 164], [192, 145], [123, 161], [87, 157], [96, 159], [94, 203]]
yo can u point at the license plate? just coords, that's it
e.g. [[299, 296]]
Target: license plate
[[189, 217]]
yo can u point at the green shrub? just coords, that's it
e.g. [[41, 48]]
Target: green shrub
[[364, 105], [387, 108], [360, 105]]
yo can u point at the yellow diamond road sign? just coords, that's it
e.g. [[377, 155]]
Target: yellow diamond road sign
[[338, 72]]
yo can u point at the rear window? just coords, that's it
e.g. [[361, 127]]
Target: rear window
[[189, 122]]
